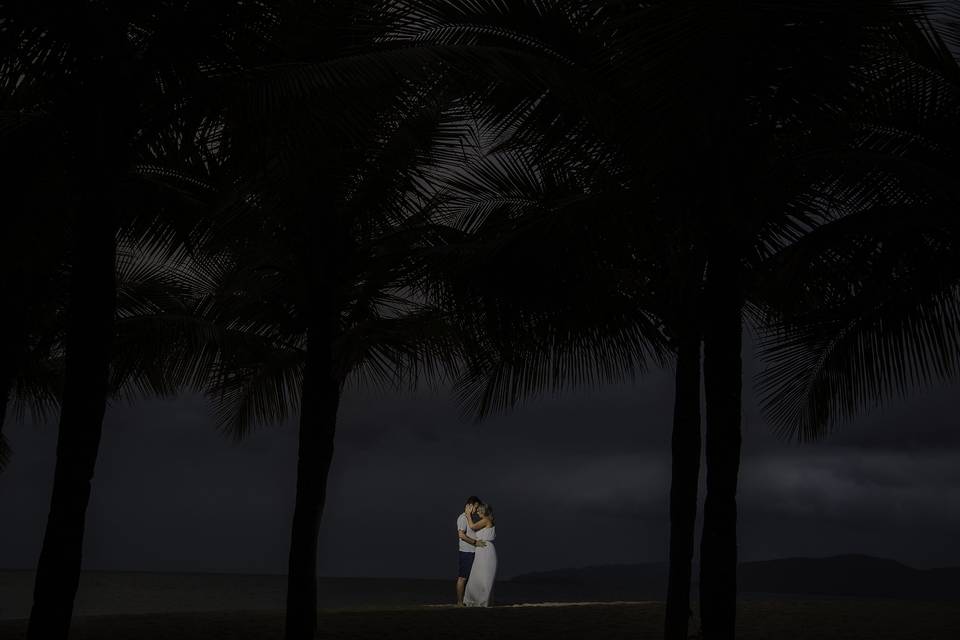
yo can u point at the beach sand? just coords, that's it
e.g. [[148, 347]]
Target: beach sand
[[154, 606], [758, 620]]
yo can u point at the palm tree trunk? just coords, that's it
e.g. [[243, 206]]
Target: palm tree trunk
[[723, 369], [6, 384], [318, 419], [13, 336], [685, 475], [88, 345]]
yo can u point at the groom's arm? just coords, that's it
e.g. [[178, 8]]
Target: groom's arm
[[463, 536]]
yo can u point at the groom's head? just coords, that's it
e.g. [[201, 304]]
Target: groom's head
[[473, 501]]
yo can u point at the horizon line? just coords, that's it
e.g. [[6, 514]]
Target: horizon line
[[506, 579]]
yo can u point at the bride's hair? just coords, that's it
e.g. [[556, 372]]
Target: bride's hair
[[485, 509]]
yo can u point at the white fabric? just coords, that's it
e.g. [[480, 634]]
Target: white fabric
[[462, 526], [480, 585]]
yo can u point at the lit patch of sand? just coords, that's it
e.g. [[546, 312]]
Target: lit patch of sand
[[585, 604], [552, 604]]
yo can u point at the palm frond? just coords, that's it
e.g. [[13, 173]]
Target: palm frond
[[260, 387], [872, 343]]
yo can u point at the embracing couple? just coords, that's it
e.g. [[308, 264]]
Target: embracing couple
[[478, 557]]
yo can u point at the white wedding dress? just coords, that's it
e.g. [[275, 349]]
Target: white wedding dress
[[484, 570]]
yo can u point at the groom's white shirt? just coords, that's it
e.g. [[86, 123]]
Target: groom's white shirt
[[462, 526]]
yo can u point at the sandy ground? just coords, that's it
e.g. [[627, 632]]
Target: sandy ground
[[758, 620], [122, 593]]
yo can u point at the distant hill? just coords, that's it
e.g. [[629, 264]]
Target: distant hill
[[848, 575]]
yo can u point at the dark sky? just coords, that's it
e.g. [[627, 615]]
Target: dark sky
[[577, 480]]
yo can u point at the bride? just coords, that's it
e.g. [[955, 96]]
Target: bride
[[484, 570]]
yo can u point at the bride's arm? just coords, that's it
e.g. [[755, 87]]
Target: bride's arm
[[480, 524], [461, 533], [466, 538]]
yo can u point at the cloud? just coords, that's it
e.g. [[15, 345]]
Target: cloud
[[578, 479], [845, 484]]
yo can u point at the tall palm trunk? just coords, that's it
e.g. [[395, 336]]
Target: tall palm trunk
[[318, 420], [6, 384], [12, 338], [88, 344], [685, 472], [723, 369]]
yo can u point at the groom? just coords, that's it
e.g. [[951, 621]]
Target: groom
[[468, 545]]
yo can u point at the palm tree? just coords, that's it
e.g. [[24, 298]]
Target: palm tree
[[780, 80], [576, 124], [327, 139], [313, 268], [613, 301], [778, 197], [289, 335], [104, 77], [784, 201], [875, 311], [580, 123]]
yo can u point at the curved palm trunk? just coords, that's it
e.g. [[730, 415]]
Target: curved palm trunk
[[12, 335], [684, 482], [88, 343], [318, 419], [7, 376], [722, 384], [5, 451], [685, 476]]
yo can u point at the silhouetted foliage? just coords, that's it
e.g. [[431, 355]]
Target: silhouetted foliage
[[268, 201], [102, 82]]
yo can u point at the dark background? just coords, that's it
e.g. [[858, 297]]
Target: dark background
[[579, 479]]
